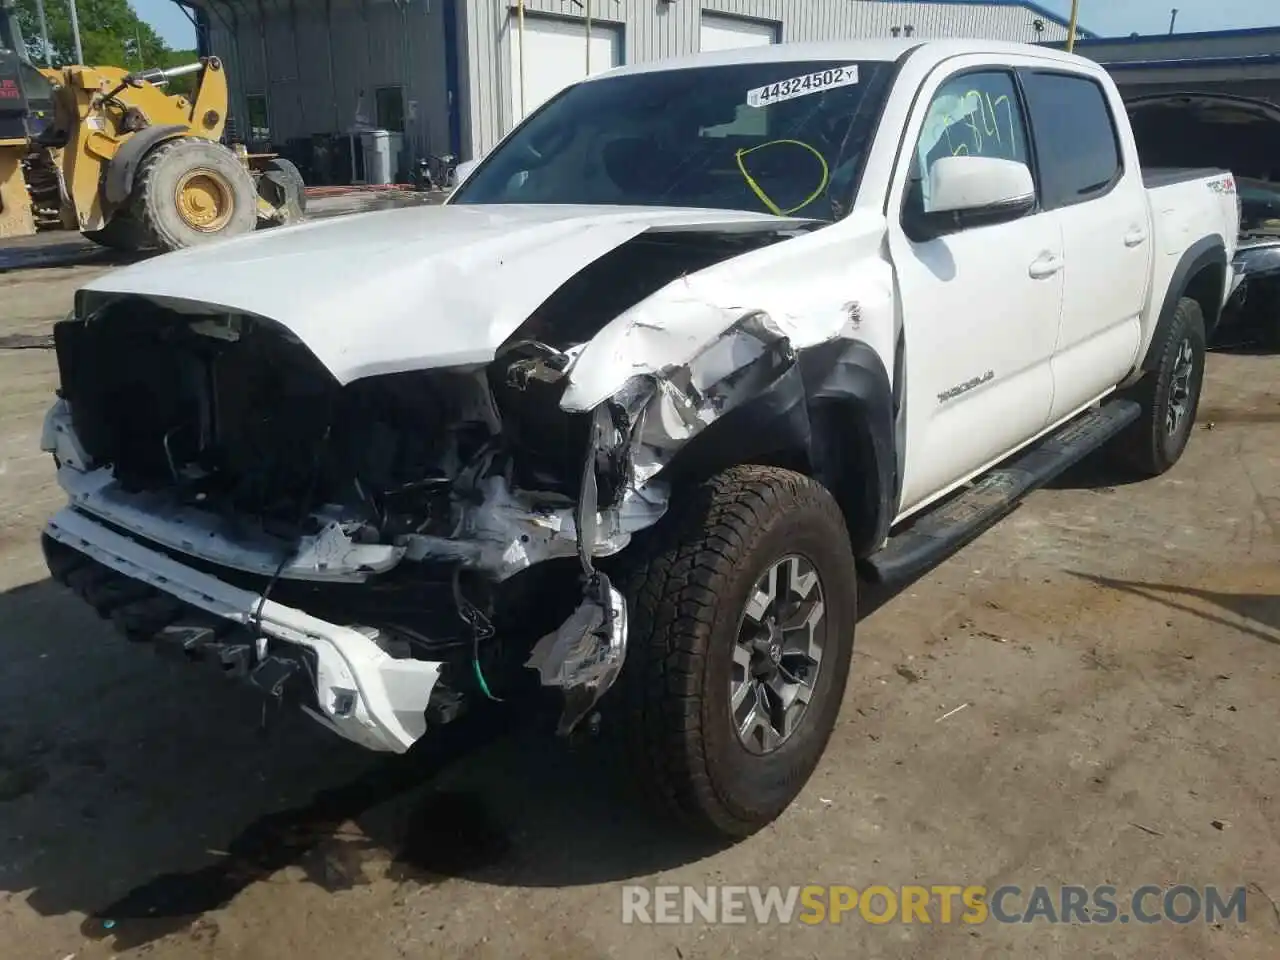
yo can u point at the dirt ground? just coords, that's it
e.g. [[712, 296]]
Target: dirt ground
[[1114, 651]]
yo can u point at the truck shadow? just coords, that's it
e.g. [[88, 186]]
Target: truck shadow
[[1244, 347], [144, 796], [1259, 612], [1095, 472], [26, 255]]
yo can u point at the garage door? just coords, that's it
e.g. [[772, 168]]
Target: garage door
[[555, 55], [730, 33]]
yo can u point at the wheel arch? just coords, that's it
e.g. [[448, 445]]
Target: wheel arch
[[123, 169], [829, 416], [1201, 274]]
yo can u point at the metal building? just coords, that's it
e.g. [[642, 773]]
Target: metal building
[[1240, 62], [453, 76]]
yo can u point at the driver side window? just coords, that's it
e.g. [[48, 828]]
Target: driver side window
[[974, 114]]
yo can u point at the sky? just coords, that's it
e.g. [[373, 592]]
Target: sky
[[1117, 18], [168, 21]]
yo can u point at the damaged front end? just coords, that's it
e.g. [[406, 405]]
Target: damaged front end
[[631, 437], [390, 549]]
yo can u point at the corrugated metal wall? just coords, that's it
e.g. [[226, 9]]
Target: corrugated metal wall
[[312, 60], [1183, 62], [653, 29]]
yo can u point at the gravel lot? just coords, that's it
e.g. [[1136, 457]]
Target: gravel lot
[[1117, 647]]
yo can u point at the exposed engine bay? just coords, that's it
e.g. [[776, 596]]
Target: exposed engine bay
[[451, 515]]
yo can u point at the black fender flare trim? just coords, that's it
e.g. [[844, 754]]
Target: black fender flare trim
[[833, 410], [1210, 251], [123, 168]]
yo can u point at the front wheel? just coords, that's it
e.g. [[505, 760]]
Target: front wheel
[[1169, 396], [192, 191], [742, 614]]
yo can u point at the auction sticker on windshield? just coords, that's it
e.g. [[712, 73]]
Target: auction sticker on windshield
[[803, 86]]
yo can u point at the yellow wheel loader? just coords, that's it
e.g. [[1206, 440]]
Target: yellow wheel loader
[[111, 154]]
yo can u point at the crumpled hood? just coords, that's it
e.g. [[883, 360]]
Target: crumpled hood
[[406, 289]]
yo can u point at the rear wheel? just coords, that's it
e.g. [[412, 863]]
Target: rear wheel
[[741, 624], [192, 191], [1170, 397]]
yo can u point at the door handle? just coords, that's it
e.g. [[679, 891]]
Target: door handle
[[1135, 237], [1045, 266]]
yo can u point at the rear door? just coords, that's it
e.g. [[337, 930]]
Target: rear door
[[980, 306], [1090, 179]]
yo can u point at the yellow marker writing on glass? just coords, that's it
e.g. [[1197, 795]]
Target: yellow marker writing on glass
[[773, 208]]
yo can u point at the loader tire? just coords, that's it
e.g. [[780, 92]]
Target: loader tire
[[1169, 396], [710, 659], [282, 186], [191, 192], [121, 233]]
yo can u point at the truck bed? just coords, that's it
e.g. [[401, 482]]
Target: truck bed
[[1153, 177]]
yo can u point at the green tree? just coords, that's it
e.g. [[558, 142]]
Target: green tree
[[111, 34]]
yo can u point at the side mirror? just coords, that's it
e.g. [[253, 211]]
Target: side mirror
[[968, 192]]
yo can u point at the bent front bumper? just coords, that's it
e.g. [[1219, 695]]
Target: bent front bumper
[[359, 690]]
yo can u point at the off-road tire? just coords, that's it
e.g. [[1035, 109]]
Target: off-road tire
[[155, 204], [282, 186], [1147, 448], [686, 589], [121, 233]]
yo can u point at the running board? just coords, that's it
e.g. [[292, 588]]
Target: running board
[[960, 520]]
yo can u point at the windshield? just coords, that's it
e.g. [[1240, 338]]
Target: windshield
[[781, 138]]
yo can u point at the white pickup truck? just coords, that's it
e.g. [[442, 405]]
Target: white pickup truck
[[697, 346]]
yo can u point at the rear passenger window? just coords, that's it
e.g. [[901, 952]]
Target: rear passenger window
[[1075, 138]]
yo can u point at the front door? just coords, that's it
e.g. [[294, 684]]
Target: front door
[[981, 306]]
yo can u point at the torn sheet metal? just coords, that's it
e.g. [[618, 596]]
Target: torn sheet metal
[[803, 286], [508, 531], [362, 693], [58, 437], [735, 368], [332, 554], [584, 656]]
